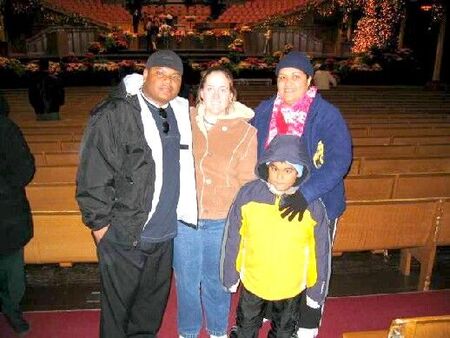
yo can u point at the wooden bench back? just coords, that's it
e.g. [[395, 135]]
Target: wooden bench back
[[422, 185], [363, 187], [418, 327], [62, 158], [431, 139], [444, 224], [60, 237], [55, 129], [399, 140], [409, 225], [386, 224], [421, 327], [408, 131], [53, 146], [368, 166], [49, 137], [397, 186], [53, 197], [406, 150], [55, 174]]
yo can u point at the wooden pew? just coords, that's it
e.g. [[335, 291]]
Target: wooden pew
[[56, 158], [408, 131], [49, 137], [40, 129], [373, 187], [397, 186], [419, 139], [443, 238], [444, 224], [391, 224], [391, 131], [422, 185], [60, 237], [53, 146], [405, 150], [416, 327], [368, 166], [399, 140], [55, 174], [52, 197]]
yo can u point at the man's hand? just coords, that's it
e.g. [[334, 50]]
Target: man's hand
[[293, 205], [98, 234]]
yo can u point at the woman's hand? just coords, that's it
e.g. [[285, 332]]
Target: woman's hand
[[293, 205]]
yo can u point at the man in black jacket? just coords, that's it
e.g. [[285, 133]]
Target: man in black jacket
[[128, 190], [16, 171]]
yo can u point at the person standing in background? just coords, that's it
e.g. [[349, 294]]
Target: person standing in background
[[46, 93], [224, 147], [16, 227]]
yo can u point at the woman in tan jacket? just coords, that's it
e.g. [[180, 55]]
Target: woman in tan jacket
[[224, 147]]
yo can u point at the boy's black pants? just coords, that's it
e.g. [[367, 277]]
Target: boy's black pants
[[135, 289], [250, 314]]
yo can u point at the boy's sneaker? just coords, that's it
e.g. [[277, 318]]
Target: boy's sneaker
[[306, 333]]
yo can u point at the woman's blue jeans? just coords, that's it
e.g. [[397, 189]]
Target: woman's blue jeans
[[196, 266]]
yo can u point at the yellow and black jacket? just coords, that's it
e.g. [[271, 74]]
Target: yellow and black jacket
[[273, 257]]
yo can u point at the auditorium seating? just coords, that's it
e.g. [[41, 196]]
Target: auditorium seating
[[416, 327], [95, 10], [257, 10], [391, 224]]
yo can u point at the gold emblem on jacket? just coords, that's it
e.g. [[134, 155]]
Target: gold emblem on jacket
[[318, 158]]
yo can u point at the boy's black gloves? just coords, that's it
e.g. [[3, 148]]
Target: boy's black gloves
[[293, 205]]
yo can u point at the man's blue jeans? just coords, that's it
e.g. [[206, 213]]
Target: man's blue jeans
[[196, 266]]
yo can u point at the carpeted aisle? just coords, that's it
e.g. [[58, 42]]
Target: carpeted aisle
[[343, 314]]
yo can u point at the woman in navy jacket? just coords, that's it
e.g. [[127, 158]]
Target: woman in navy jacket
[[299, 109]]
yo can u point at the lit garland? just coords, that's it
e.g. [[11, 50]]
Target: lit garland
[[377, 27]]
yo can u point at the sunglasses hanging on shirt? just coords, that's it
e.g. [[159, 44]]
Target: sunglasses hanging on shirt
[[165, 125]]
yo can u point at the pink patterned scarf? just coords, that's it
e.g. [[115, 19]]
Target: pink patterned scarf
[[290, 120]]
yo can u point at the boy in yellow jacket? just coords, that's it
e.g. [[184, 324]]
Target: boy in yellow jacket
[[282, 264]]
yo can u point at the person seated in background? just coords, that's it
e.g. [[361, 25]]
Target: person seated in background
[[16, 227], [323, 78], [282, 264], [46, 93]]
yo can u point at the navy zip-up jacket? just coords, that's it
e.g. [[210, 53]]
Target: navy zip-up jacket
[[328, 144]]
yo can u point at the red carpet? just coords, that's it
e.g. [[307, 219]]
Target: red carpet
[[342, 314]]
